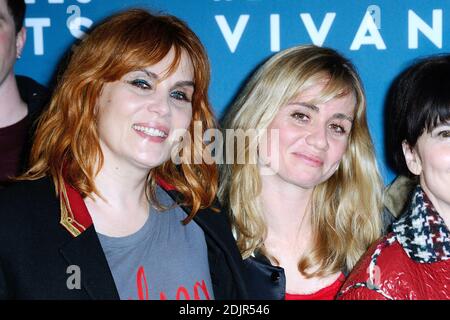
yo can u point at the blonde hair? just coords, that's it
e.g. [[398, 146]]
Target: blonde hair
[[345, 209], [67, 145]]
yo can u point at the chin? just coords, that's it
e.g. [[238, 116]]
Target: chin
[[302, 182], [151, 163]]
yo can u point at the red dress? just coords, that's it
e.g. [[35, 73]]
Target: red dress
[[327, 293]]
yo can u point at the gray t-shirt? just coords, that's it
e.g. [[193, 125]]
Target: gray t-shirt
[[163, 260]]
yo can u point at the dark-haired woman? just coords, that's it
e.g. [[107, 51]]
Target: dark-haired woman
[[413, 262]]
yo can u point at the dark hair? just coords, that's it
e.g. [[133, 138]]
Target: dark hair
[[420, 101], [17, 9]]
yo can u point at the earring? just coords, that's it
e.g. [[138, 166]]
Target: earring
[[19, 56]]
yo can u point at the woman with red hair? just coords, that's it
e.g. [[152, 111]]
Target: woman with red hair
[[104, 212]]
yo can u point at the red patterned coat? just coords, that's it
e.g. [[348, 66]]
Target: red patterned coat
[[411, 263]]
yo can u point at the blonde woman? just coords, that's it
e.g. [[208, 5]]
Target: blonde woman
[[307, 203]]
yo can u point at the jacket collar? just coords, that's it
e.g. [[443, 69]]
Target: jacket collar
[[75, 217], [422, 232], [86, 252], [84, 249]]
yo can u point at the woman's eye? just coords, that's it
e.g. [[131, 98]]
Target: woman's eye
[[444, 134], [140, 83], [180, 95], [300, 116], [338, 129]]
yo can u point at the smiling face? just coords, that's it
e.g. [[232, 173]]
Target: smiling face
[[139, 114], [312, 138], [430, 160]]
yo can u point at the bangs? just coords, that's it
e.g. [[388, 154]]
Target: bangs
[[136, 45], [289, 73], [139, 59], [432, 99], [437, 109], [438, 114], [334, 87]]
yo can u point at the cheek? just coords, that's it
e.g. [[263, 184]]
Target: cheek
[[337, 150], [182, 119], [113, 120], [275, 142], [436, 170], [289, 136], [7, 47], [437, 160], [108, 126], [117, 107], [106, 117], [5, 38]]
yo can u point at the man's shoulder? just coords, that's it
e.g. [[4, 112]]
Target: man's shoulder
[[28, 187], [27, 195], [29, 215], [27, 84], [33, 93]]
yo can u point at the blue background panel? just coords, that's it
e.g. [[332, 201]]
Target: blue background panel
[[241, 34]]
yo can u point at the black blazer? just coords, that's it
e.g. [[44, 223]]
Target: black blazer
[[36, 97], [36, 250]]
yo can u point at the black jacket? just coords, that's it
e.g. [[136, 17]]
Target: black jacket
[[33, 94], [264, 281], [36, 250], [36, 97]]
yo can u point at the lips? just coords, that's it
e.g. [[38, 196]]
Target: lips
[[152, 132], [310, 160]]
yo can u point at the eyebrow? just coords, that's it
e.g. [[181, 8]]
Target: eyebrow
[[316, 109], [185, 83], [149, 73]]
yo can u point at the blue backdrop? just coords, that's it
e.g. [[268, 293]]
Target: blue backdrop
[[380, 37]]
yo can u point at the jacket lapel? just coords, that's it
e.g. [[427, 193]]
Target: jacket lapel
[[85, 251]]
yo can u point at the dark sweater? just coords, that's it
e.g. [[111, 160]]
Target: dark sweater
[[16, 140]]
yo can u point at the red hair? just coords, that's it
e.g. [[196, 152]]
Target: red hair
[[67, 131]]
